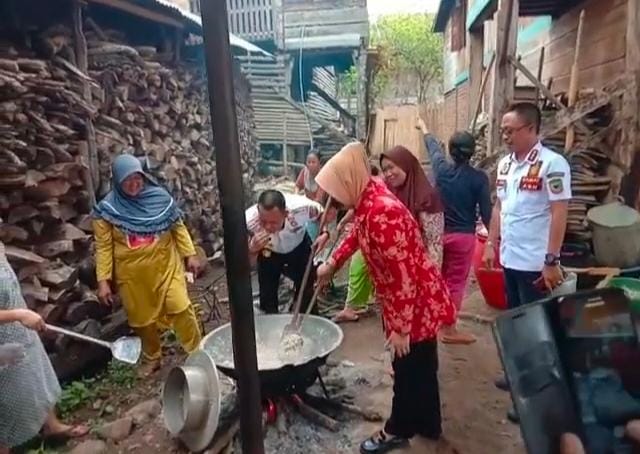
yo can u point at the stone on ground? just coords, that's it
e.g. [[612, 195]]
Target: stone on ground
[[144, 411], [90, 447], [117, 430]]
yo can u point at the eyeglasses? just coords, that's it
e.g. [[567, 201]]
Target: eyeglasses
[[512, 131]]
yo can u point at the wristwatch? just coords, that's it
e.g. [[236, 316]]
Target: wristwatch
[[551, 259]]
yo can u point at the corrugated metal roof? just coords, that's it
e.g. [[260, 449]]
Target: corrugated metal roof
[[196, 21]]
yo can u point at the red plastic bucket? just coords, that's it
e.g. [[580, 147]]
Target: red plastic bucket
[[491, 282]]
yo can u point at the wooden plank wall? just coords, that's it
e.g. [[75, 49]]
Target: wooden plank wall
[[251, 19], [325, 18], [267, 76], [396, 125], [604, 43]]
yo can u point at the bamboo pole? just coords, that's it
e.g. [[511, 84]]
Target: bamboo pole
[[483, 84], [540, 68], [92, 177], [573, 83]]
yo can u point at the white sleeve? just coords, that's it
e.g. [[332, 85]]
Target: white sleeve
[[251, 216], [558, 179]]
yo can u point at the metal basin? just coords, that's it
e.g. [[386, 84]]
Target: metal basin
[[279, 374]]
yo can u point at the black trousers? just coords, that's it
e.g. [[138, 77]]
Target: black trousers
[[416, 395], [292, 265], [520, 287]]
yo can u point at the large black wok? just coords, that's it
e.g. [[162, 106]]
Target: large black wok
[[279, 375]]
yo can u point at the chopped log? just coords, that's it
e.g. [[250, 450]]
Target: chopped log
[[28, 272], [55, 248], [21, 255], [10, 233], [51, 313], [314, 415], [32, 292], [12, 181], [60, 296], [22, 213], [59, 275], [69, 231], [48, 189], [79, 311]]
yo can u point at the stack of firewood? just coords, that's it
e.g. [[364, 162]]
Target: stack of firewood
[[162, 113], [43, 199], [589, 181], [140, 103], [44, 202]]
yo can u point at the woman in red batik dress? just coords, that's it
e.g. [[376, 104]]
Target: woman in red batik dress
[[415, 302]]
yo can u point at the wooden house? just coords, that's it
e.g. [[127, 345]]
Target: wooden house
[[471, 33], [295, 92], [540, 35]]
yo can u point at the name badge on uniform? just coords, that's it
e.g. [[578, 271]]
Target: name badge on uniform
[[532, 182]]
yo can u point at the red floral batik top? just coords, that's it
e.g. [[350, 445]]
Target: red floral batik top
[[409, 286]]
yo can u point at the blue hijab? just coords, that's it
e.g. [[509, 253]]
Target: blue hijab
[[152, 211]]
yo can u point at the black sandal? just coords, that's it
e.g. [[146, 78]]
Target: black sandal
[[381, 443]]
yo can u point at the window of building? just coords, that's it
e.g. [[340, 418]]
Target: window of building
[[194, 6], [459, 26]]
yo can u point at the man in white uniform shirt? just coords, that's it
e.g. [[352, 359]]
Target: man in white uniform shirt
[[529, 218], [280, 245]]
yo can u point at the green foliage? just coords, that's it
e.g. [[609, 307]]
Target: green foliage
[[348, 82], [42, 449], [80, 393], [74, 396], [408, 46]]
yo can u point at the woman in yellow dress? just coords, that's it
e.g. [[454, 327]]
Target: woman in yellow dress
[[141, 244]]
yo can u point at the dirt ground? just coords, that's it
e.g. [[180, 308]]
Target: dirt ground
[[474, 410]]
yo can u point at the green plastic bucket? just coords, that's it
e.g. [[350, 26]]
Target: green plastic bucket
[[631, 287]]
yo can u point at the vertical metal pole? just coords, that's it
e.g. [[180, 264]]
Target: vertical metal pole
[[229, 172]]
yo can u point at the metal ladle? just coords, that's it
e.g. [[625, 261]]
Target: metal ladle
[[126, 349]]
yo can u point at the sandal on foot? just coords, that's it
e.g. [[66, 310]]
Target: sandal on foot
[[458, 339], [381, 443]]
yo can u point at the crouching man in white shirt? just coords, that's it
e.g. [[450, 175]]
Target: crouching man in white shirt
[[280, 245]]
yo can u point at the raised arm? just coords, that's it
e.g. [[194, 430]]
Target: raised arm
[[436, 154]]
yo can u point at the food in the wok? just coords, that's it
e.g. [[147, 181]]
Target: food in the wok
[[321, 337], [272, 356], [291, 345]]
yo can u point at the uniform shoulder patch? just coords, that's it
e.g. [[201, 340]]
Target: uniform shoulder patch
[[556, 185]]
